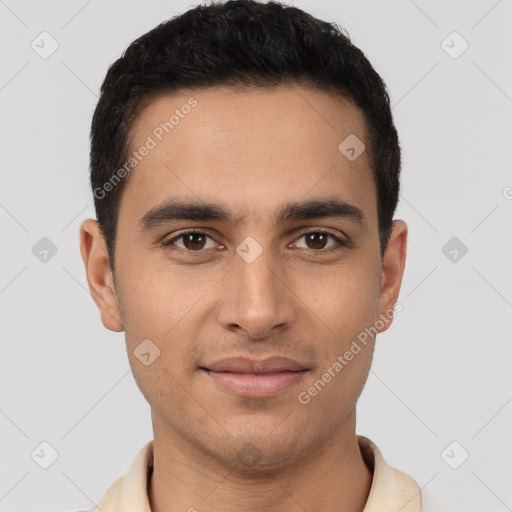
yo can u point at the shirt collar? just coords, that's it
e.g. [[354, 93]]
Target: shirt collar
[[391, 490]]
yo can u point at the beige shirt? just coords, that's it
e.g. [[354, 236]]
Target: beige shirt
[[391, 490]]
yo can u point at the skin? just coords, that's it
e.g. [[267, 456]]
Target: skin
[[252, 151]]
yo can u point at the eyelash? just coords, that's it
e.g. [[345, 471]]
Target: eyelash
[[168, 244]]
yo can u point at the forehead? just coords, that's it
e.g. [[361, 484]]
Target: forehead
[[254, 150]]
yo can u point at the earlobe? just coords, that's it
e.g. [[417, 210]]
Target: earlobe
[[393, 267], [99, 274]]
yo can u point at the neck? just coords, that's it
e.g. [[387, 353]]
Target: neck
[[331, 478]]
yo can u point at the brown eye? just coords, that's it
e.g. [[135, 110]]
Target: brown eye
[[317, 240], [193, 241]]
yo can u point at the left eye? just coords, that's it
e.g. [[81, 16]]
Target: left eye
[[195, 241], [318, 239]]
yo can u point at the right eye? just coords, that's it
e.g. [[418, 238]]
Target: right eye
[[192, 241]]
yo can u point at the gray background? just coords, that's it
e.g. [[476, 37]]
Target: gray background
[[441, 373]]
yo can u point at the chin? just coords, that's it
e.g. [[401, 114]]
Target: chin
[[265, 451]]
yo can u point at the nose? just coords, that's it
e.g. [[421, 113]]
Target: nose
[[257, 302]]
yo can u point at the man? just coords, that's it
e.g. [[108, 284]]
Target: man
[[245, 169]]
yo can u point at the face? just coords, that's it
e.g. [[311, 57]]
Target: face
[[255, 318]]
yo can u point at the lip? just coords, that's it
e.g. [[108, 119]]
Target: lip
[[248, 365], [252, 378]]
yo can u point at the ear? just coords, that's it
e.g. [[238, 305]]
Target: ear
[[99, 275], [393, 266]]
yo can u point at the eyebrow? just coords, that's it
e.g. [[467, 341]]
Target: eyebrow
[[175, 209]]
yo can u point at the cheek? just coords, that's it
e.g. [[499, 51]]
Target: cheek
[[347, 305], [346, 349], [154, 299], [167, 309], [161, 386], [346, 297]]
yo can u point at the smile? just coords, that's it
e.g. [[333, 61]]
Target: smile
[[251, 378], [256, 385]]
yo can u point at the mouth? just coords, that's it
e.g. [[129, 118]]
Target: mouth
[[251, 378]]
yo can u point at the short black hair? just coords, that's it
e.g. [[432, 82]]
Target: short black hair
[[238, 44]]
